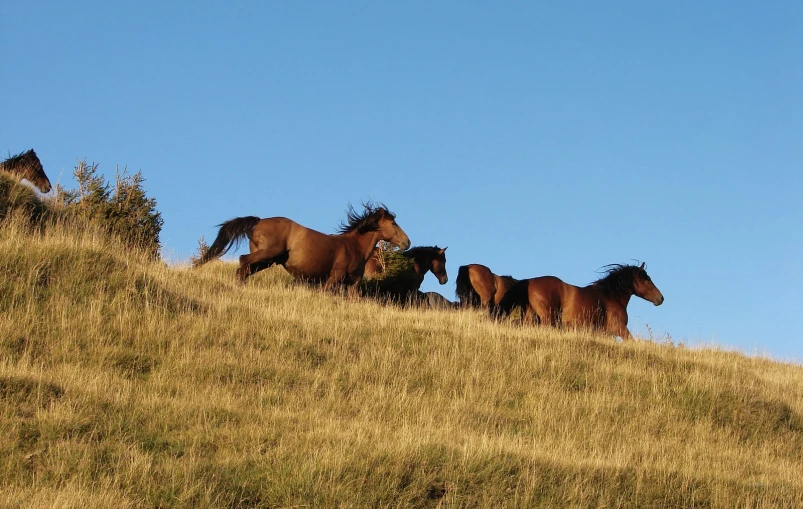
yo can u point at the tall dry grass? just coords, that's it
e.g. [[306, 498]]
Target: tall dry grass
[[128, 383]]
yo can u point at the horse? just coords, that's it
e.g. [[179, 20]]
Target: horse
[[425, 259], [404, 287], [334, 260], [435, 300], [602, 305], [28, 166], [477, 286]]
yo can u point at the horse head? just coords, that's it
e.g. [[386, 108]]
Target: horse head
[[35, 172], [390, 231], [645, 288], [438, 266]]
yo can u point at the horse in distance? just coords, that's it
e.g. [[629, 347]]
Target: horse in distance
[[477, 286], [28, 166], [601, 306], [334, 260]]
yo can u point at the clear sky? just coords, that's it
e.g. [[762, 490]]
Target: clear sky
[[533, 137]]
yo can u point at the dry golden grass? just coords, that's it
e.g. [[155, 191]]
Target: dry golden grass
[[129, 383]]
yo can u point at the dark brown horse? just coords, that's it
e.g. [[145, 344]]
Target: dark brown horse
[[425, 259], [602, 305], [397, 276], [307, 254], [477, 286], [28, 166]]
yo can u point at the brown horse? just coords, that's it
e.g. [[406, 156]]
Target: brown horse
[[28, 166], [425, 259], [602, 305], [307, 254], [478, 286]]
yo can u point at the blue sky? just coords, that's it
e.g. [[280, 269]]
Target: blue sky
[[535, 138]]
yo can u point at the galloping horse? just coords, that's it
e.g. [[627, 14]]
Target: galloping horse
[[28, 166], [478, 286], [308, 254], [602, 305]]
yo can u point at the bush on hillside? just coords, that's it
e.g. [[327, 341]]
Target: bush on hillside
[[123, 210], [397, 278]]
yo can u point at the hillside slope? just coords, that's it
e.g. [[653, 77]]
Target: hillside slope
[[128, 383]]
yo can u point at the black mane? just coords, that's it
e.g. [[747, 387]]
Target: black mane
[[366, 222], [619, 279], [16, 160], [415, 251]]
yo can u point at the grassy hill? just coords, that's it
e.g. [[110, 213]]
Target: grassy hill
[[128, 383]]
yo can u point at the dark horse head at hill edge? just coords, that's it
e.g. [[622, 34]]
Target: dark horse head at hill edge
[[28, 166], [333, 260], [602, 305]]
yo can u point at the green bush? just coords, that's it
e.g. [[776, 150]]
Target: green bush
[[397, 278], [123, 210]]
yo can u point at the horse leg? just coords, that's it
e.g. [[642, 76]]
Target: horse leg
[[335, 279], [625, 334], [257, 260]]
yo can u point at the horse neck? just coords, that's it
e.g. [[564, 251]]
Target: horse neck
[[621, 298], [365, 243], [21, 167], [421, 264]]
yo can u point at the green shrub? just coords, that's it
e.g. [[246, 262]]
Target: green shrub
[[123, 210], [397, 278]]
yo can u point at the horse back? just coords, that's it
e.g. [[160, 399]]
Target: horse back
[[304, 252]]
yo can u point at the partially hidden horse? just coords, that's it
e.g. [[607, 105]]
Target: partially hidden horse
[[28, 166], [404, 287], [601, 306], [435, 300], [477, 286], [425, 259], [333, 260]]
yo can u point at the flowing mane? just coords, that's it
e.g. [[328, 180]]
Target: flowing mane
[[366, 222], [619, 279]]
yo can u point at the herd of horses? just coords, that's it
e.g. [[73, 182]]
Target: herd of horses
[[343, 259]]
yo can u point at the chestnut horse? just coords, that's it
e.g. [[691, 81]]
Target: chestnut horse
[[602, 305], [425, 259], [307, 254], [478, 286], [28, 166]]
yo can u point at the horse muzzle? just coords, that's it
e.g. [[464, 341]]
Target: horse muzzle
[[658, 300]]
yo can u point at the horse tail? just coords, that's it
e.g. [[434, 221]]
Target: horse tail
[[231, 233], [463, 289], [516, 296]]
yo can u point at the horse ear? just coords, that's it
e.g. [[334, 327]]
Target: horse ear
[[444, 249], [643, 264]]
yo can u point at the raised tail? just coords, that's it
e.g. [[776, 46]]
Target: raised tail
[[516, 296], [231, 233], [464, 291]]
